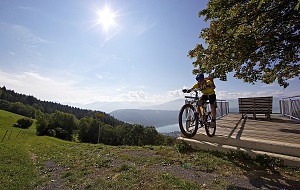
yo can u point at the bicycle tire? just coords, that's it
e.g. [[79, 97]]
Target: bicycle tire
[[209, 129], [188, 120]]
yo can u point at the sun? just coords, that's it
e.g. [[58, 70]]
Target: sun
[[106, 18]]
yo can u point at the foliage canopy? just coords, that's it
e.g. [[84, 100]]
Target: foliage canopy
[[255, 39], [24, 123]]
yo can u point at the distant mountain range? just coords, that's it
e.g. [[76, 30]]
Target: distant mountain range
[[151, 115], [148, 114], [112, 106], [171, 105], [156, 118]]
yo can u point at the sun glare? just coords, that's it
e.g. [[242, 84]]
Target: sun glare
[[106, 18]]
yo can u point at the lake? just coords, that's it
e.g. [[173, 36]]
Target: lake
[[168, 128]]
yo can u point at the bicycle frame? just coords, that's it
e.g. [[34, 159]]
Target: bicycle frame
[[195, 102]]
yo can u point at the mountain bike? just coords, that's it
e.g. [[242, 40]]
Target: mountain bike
[[191, 115]]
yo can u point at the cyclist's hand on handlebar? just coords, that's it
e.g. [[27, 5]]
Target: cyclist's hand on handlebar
[[186, 90]]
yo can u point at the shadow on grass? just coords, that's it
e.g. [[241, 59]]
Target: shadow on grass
[[263, 172]]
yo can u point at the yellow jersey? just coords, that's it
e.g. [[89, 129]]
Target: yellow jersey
[[208, 90]]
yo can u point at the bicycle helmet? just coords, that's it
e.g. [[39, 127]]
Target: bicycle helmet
[[200, 77]]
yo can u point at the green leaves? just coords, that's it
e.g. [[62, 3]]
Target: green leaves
[[257, 40], [24, 122]]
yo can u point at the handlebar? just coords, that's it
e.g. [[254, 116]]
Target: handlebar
[[189, 96], [192, 90], [195, 98]]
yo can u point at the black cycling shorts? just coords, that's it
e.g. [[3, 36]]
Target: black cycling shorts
[[212, 98]]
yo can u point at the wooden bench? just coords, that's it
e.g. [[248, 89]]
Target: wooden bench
[[256, 105]]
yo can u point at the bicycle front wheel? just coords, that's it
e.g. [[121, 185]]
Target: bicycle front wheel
[[210, 128], [188, 120]]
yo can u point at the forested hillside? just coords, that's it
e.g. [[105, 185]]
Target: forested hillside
[[70, 123], [31, 102]]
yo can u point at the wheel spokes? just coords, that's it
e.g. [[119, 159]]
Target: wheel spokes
[[190, 121]]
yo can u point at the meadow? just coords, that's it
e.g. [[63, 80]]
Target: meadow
[[28, 161]]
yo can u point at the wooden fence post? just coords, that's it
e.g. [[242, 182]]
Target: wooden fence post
[[9, 135], [4, 135], [19, 133]]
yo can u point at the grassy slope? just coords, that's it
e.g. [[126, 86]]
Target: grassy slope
[[17, 169], [28, 161]]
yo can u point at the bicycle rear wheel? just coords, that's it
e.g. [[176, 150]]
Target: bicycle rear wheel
[[188, 120], [210, 128]]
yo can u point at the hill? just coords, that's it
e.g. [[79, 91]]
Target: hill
[[156, 118], [90, 126], [171, 105], [10, 101], [28, 161], [117, 105]]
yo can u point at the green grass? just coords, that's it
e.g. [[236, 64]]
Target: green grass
[[28, 161], [17, 169]]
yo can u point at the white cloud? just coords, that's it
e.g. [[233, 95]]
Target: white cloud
[[224, 95], [28, 8], [27, 35], [99, 76], [135, 96], [66, 90], [175, 94], [227, 95], [35, 84], [24, 42], [142, 96], [144, 27]]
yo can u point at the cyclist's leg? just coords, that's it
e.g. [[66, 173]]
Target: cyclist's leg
[[212, 101], [200, 102], [203, 99]]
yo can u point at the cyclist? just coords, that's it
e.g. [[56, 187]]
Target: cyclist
[[208, 93]]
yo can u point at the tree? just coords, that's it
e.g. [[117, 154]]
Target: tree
[[24, 123], [84, 127], [42, 125], [258, 40], [64, 125], [150, 136]]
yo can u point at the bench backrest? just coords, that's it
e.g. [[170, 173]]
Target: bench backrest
[[256, 105]]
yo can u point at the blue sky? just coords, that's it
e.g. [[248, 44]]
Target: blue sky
[[59, 51]]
